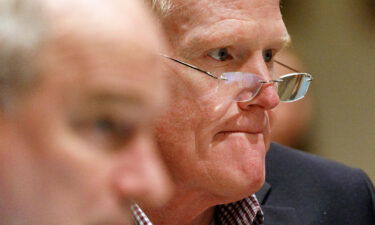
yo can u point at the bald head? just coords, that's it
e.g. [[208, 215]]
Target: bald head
[[105, 19], [29, 27]]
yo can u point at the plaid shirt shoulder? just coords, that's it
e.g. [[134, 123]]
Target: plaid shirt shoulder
[[244, 212]]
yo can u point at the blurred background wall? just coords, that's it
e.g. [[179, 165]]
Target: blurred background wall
[[336, 41]]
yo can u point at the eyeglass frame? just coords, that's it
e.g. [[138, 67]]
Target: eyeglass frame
[[309, 76]]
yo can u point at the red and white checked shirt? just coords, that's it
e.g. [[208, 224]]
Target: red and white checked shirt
[[244, 212]]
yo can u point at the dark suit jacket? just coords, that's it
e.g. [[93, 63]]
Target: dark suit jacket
[[302, 189]]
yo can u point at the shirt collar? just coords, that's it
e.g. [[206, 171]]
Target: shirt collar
[[139, 216], [244, 212]]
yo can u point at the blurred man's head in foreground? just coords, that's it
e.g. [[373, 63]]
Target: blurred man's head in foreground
[[76, 105]]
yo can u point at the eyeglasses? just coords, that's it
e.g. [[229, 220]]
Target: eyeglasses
[[290, 87]]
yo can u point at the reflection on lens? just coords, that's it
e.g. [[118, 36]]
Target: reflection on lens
[[243, 86], [293, 86]]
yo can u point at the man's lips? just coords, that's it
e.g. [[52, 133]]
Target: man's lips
[[250, 123], [254, 123], [233, 133], [239, 132], [243, 127]]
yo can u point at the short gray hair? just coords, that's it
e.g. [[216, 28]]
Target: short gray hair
[[161, 7], [22, 29]]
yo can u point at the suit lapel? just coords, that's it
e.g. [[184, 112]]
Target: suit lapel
[[263, 193], [273, 214]]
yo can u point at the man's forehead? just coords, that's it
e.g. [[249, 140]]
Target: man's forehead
[[223, 20], [125, 69], [190, 13], [226, 4], [131, 78]]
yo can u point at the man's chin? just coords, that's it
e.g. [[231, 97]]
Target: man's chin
[[240, 193], [249, 187], [241, 185]]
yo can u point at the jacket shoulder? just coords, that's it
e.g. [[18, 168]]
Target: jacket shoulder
[[318, 187], [285, 161]]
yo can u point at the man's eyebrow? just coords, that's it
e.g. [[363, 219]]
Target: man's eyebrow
[[209, 38], [193, 44], [130, 106], [113, 98], [214, 36]]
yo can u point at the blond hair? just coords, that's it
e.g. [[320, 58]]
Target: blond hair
[[22, 33], [160, 7]]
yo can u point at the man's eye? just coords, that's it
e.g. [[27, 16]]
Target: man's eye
[[113, 129], [104, 125], [220, 54], [106, 132], [268, 55]]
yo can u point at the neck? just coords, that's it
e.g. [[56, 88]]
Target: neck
[[184, 209]]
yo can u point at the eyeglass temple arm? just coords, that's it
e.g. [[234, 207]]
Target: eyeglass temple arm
[[213, 76], [191, 66], [294, 70], [286, 66]]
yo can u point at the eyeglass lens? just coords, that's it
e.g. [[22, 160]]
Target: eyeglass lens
[[294, 87], [291, 87]]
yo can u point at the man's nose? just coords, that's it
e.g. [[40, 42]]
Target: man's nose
[[142, 176], [267, 97]]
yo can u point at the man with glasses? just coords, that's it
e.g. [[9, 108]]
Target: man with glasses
[[216, 132], [76, 108]]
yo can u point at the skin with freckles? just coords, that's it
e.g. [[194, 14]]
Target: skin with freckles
[[214, 147], [78, 148]]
